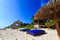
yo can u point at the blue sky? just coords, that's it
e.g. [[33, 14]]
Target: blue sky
[[12, 10]]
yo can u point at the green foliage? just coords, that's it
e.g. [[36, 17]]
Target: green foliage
[[32, 18], [24, 25], [7, 27], [30, 26], [49, 23]]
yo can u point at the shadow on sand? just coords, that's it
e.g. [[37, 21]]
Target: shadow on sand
[[40, 34]]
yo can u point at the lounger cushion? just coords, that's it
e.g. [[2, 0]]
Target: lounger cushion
[[35, 31], [24, 29]]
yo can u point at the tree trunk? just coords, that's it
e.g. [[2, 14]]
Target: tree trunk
[[38, 23], [57, 24]]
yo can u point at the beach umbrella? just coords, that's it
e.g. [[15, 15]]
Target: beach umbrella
[[50, 10], [43, 13], [54, 10]]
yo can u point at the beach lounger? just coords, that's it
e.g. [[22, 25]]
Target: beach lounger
[[35, 32], [24, 29]]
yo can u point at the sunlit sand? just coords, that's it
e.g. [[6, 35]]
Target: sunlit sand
[[14, 34]]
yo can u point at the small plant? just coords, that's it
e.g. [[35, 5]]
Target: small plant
[[49, 23]]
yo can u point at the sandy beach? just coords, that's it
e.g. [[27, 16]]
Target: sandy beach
[[14, 34]]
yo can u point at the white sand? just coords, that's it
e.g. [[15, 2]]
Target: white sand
[[10, 34]]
